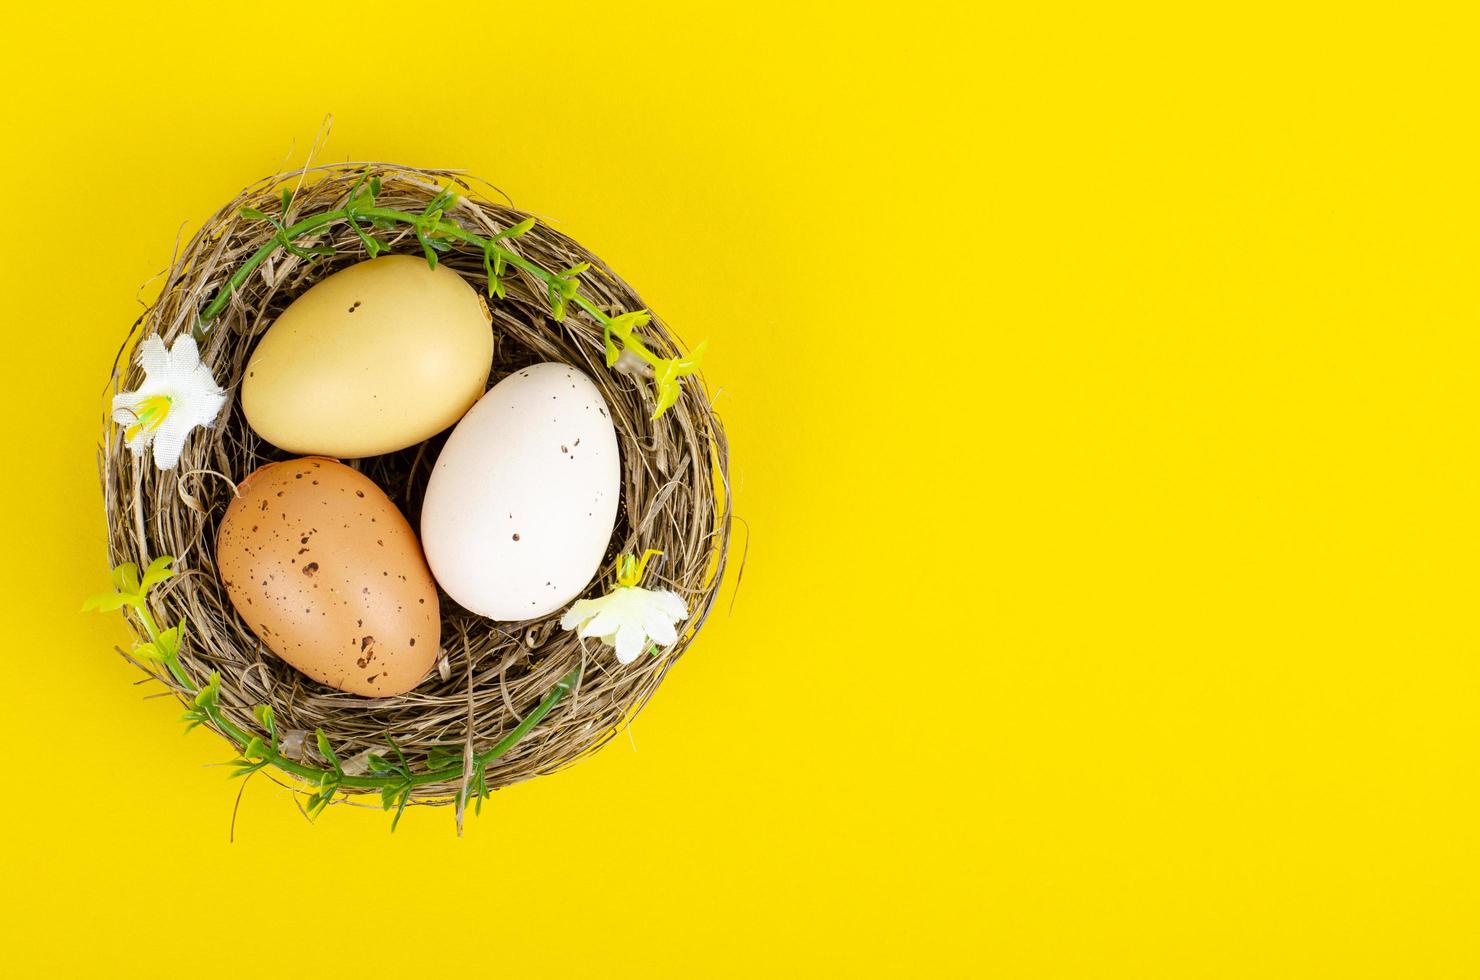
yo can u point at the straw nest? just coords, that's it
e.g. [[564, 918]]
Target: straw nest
[[489, 675]]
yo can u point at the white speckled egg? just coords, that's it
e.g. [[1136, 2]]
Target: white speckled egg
[[522, 500]]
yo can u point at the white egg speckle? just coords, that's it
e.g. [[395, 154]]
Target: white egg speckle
[[523, 498]]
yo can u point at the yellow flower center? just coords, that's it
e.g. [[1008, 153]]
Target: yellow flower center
[[630, 569], [149, 415]]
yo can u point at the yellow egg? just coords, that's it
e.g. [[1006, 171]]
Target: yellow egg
[[374, 358]]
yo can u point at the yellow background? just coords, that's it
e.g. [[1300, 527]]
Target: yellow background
[[1103, 399]]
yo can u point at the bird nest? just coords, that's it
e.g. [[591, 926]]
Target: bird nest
[[506, 701]]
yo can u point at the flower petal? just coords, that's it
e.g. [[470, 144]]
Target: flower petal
[[126, 413], [126, 407], [671, 603], [577, 614], [659, 626], [169, 440], [608, 620], [184, 355], [153, 357], [631, 641], [192, 389], [198, 406]]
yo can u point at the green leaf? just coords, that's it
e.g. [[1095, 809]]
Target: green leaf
[[405, 767], [328, 786], [327, 750], [623, 324], [254, 748], [388, 796], [287, 200], [372, 244], [493, 264], [265, 719], [517, 230], [168, 641], [612, 353], [375, 186], [252, 214], [126, 577], [405, 798], [667, 396], [300, 251], [444, 757], [319, 801], [245, 768], [106, 602], [147, 651], [478, 786], [576, 269], [378, 763], [206, 696], [444, 201], [158, 570], [689, 363]]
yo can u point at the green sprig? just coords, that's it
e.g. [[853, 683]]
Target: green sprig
[[436, 234], [394, 779], [397, 791], [328, 785]]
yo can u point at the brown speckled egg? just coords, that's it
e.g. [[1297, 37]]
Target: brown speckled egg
[[327, 573]]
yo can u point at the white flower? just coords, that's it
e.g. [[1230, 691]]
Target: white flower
[[177, 395], [629, 617]]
